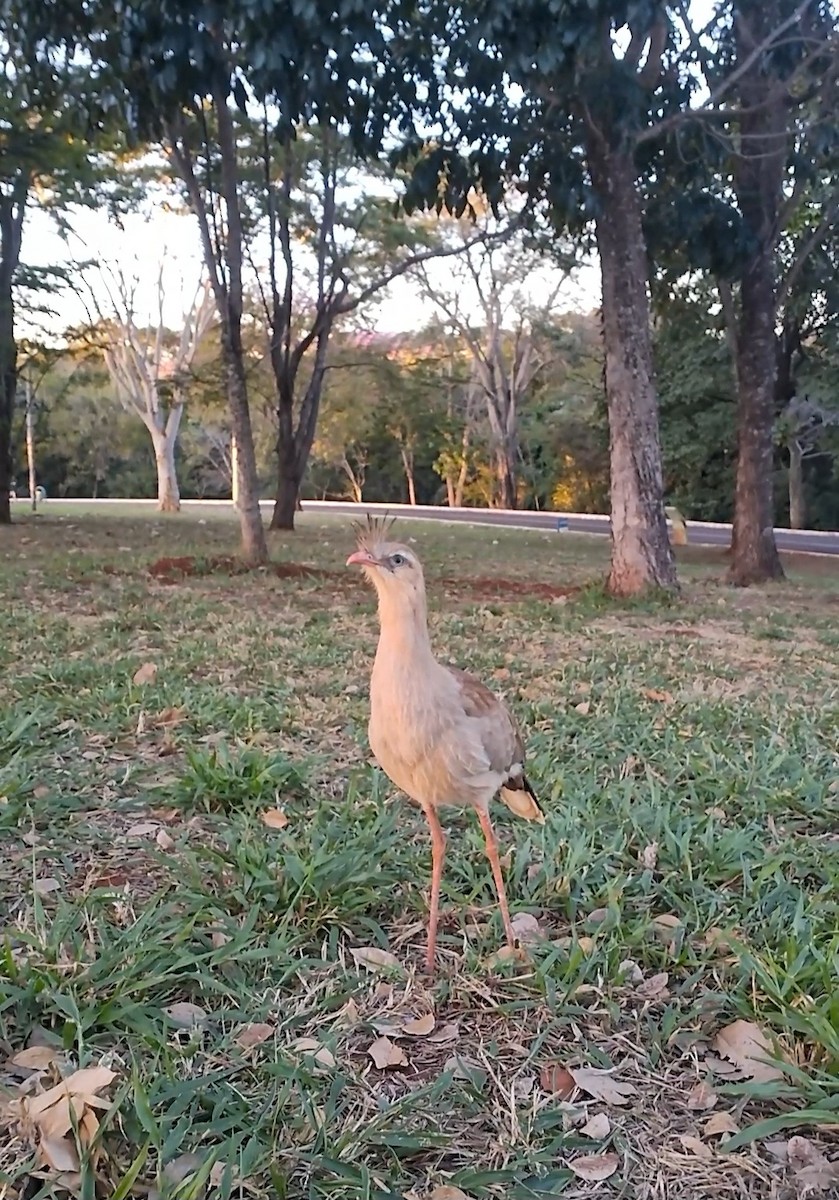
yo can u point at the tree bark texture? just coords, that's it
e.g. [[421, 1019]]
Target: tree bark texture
[[12, 210], [252, 530], [294, 445], [168, 491], [797, 503], [642, 557], [758, 180]]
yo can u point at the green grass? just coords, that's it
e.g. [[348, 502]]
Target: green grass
[[686, 755]]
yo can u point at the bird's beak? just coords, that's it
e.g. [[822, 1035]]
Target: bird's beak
[[362, 558]]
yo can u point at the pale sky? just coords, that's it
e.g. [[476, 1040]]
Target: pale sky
[[145, 242]]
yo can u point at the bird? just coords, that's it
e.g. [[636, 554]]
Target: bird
[[438, 733]]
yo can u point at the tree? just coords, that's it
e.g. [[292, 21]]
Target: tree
[[149, 369], [571, 141], [499, 338], [57, 148]]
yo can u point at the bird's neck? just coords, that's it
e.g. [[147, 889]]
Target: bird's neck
[[403, 627]]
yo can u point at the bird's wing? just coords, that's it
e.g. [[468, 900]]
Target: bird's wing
[[502, 742]]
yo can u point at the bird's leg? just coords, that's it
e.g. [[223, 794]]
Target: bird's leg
[[438, 851], [492, 855]]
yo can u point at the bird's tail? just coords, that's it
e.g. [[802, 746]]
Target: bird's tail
[[520, 798]]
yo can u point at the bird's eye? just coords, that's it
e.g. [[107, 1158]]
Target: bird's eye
[[398, 559]]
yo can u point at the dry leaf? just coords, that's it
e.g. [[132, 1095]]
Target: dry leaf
[[40, 791], [747, 1046], [648, 857], [373, 957], [594, 1167], [34, 1058], [59, 1154], [586, 944], [170, 716], [527, 928], [321, 1054], [164, 840], [583, 708], [597, 1127], [694, 1146], [667, 921], [630, 972], [421, 1027], [447, 1192], [656, 694], [254, 1035], [597, 916], [721, 1122], [813, 1172], [145, 674], [446, 1033], [142, 829], [185, 1015], [386, 1053], [44, 886], [274, 818], [702, 1097], [557, 1079], [602, 1085], [506, 954], [654, 988]]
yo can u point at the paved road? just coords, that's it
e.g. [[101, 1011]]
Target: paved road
[[699, 533]]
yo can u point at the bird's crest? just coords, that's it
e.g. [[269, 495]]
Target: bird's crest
[[373, 531]]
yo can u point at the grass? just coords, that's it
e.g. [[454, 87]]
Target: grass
[[154, 924]]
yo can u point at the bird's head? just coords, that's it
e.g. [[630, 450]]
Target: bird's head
[[393, 568]]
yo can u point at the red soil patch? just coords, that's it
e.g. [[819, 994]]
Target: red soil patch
[[173, 570], [500, 589]]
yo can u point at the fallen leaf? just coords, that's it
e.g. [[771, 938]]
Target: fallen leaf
[[170, 716], [84, 1083], [721, 1122], [40, 791], [506, 954], [254, 1035], [372, 957], [694, 1146], [447, 1192], [145, 674], [527, 928], [667, 921], [702, 1097], [557, 1079], [185, 1015], [648, 857], [812, 1170], [321, 1054], [462, 1067], [597, 916], [386, 1053], [630, 972], [142, 829], [43, 887], [656, 694], [654, 988], [420, 1027], [59, 1154], [446, 1033], [597, 1127], [274, 818], [747, 1046], [164, 840], [523, 1087], [602, 1085], [586, 944], [34, 1058], [594, 1167], [583, 708]]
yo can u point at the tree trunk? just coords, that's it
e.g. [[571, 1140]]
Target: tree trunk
[[758, 182], [506, 476], [254, 545], [288, 483], [797, 503], [408, 465], [642, 557], [12, 208], [449, 491], [30, 448], [168, 492], [754, 553], [295, 446]]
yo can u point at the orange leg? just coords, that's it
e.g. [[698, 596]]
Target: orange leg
[[492, 855], [438, 852]]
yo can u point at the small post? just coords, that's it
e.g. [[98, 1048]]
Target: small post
[[30, 441], [562, 524], [679, 529]]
